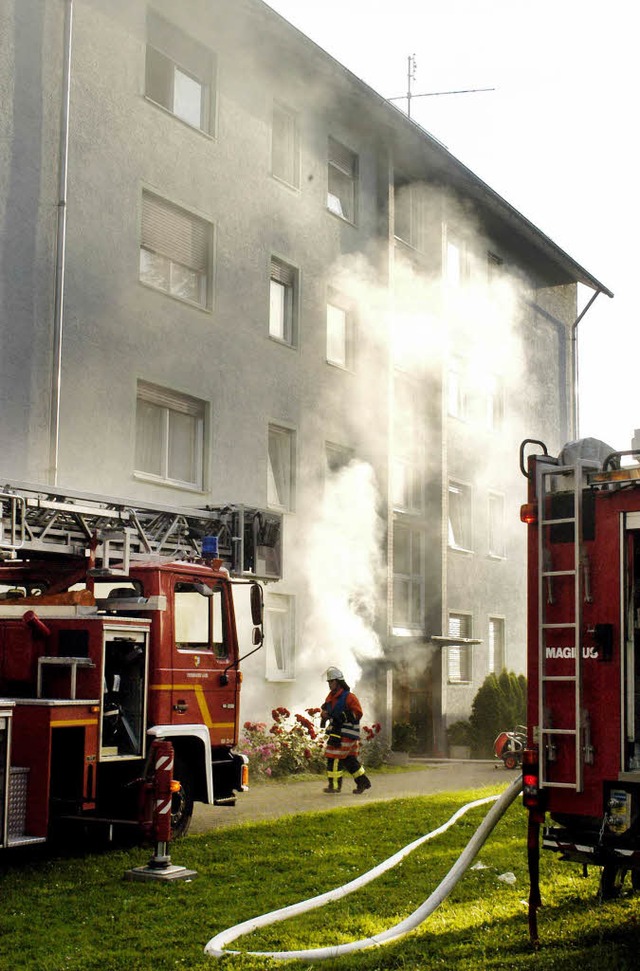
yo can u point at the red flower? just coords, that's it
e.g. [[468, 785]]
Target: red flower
[[312, 711]]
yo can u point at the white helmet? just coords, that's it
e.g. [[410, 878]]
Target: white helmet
[[334, 674]]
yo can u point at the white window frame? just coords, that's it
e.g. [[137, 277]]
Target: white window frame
[[407, 466], [497, 659], [340, 329], [494, 414], [460, 516], [457, 394], [459, 656], [280, 637], [175, 245], [283, 302], [411, 203], [285, 145], [168, 406], [496, 524], [342, 181], [281, 459], [173, 57], [412, 583]]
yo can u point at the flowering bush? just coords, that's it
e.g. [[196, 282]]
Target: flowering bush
[[291, 745], [375, 749], [294, 744]]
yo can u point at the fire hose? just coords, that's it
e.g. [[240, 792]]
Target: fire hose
[[216, 946]]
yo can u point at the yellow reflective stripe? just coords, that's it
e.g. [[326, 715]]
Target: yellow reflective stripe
[[65, 723], [200, 698]]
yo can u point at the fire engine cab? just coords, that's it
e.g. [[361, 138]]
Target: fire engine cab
[[581, 766], [118, 632]]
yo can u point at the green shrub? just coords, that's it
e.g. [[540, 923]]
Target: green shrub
[[459, 733], [404, 737], [499, 705]]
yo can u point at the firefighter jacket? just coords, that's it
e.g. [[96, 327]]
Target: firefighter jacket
[[343, 712]]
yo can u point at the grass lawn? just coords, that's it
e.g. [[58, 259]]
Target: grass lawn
[[80, 914]]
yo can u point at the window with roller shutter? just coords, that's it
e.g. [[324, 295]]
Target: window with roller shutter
[[175, 250]]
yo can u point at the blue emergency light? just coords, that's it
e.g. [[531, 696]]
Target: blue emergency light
[[210, 546]]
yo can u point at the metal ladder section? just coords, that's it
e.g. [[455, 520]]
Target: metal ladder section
[[38, 519], [573, 682]]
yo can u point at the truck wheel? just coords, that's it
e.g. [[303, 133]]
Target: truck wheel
[[182, 801], [511, 761], [611, 880]]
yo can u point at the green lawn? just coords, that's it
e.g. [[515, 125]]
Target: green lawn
[[80, 914]]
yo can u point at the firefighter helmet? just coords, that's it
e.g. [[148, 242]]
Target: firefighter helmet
[[334, 674]]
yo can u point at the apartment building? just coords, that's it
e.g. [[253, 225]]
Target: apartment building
[[232, 272]]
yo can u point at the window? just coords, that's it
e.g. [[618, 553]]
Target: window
[[459, 655], [280, 484], [170, 436], [411, 214], [198, 618], [494, 403], [456, 259], [282, 302], [496, 645], [175, 250], [408, 447], [339, 331], [337, 457], [408, 578], [459, 516], [342, 178], [496, 524], [457, 389], [280, 637], [179, 73], [285, 146]]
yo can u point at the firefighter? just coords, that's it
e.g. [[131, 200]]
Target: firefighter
[[341, 712]]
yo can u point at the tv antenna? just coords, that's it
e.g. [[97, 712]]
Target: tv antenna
[[411, 76]]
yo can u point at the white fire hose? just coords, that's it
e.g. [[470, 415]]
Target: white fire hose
[[216, 946]]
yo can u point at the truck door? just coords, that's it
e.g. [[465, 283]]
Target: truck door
[[205, 682]]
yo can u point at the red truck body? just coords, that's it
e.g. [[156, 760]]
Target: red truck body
[[581, 769], [115, 632]]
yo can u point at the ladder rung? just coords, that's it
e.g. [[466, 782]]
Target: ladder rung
[[559, 731], [558, 626], [557, 522], [559, 677], [558, 573], [559, 785]]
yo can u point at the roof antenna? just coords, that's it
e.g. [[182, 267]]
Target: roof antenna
[[411, 76]]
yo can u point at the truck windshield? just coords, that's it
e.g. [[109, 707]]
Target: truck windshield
[[198, 620]]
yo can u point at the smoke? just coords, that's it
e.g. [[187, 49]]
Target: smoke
[[344, 567]]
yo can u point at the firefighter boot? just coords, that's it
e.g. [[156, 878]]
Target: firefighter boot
[[362, 784], [334, 786]]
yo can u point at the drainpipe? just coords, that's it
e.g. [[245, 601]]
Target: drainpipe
[[61, 248], [575, 418]]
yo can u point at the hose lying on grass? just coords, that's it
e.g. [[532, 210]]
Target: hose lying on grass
[[216, 946]]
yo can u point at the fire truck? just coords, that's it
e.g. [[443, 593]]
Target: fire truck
[[581, 764], [118, 633]]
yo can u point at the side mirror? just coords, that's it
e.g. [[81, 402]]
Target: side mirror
[[257, 636], [256, 605]]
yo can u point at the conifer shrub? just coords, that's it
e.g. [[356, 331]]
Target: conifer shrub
[[499, 705]]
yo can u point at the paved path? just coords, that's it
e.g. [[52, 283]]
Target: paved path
[[273, 799]]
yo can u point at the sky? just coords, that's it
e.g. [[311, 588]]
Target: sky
[[556, 138]]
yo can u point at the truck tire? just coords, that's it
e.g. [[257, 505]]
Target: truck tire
[[182, 801]]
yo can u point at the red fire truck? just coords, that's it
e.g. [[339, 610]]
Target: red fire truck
[[118, 628], [581, 766]]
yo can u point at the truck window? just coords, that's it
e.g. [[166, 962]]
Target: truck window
[[198, 620]]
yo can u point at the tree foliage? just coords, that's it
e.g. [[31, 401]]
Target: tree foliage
[[499, 705]]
